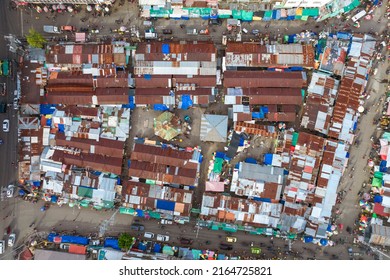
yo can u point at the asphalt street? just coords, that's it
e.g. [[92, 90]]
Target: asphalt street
[[20, 214], [9, 23]]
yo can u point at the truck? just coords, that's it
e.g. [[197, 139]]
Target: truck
[[51, 29], [5, 67], [3, 107]]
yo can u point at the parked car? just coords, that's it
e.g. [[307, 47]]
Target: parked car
[[166, 222], [164, 238], [68, 28], [16, 103], [255, 31], [137, 227], [10, 191], [3, 88], [1, 141], [215, 21], [2, 246], [11, 239], [6, 125], [65, 246], [224, 246], [231, 239], [149, 235], [186, 241], [167, 31]]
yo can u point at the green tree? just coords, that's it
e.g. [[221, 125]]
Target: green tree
[[35, 39], [125, 241]]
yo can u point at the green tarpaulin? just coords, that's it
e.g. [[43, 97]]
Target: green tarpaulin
[[295, 138], [108, 204], [237, 14], [124, 210], [351, 6], [218, 166], [150, 182], [376, 182], [160, 13], [215, 227], [268, 14], [247, 15], [155, 215], [168, 250], [386, 136], [311, 12], [304, 18], [378, 175], [84, 192]]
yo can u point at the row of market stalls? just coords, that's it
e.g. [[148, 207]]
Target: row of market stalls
[[208, 13]]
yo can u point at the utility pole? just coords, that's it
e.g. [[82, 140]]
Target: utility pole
[[106, 224]]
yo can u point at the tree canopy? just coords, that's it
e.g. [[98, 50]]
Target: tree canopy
[[35, 39], [125, 241]]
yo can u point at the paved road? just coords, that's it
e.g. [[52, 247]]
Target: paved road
[[9, 23]]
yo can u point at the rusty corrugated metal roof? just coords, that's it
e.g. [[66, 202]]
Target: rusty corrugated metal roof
[[260, 79]]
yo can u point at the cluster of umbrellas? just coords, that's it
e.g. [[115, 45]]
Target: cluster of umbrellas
[[97, 8], [59, 8]]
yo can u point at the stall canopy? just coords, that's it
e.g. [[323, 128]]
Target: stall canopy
[[215, 186]]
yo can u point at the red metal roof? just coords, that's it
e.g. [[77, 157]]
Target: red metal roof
[[261, 79]]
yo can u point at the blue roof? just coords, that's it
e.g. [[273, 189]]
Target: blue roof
[[157, 248], [74, 239], [219, 155], [268, 159], [111, 242], [47, 109], [251, 160], [165, 49], [160, 107], [165, 205]]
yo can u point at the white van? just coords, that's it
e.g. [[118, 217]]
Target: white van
[[359, 15], [2, 246]]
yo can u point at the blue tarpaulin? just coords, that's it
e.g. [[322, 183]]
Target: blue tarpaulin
[[140, 212], [251, 160], [378, 199], [61, 128], [219, 155], [165, 205], [308, 239], [186, 102], [382, 166], [51, 236], [323, 241], [262, 199], [264, 109], [111, 242], [241, 142], [54, 199], [257, 115], [160, 107], [165, 49], [37, 183], [22, 192], [157, 248], [74, 239], [47, 109], [268, 159], [48, 122], [142, 246], [296, 68]]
